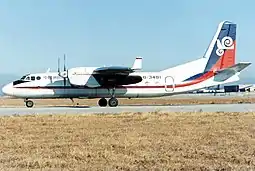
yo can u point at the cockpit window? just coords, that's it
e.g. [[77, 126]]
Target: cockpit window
[[23, 77], [32, 78]]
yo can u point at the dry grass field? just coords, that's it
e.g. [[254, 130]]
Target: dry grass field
[[6, 102], [129, 141]]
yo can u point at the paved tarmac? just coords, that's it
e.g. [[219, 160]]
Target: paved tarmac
[[119, 109]]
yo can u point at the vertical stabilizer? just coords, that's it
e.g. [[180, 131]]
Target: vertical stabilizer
[[222, 51]]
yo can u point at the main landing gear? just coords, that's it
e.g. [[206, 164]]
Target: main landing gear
[[29, 103], [112, 102]]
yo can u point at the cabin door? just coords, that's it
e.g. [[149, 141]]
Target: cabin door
[[169, 83]]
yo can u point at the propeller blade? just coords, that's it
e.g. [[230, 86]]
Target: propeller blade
[[65, 70], [58, 65], [64, 62]]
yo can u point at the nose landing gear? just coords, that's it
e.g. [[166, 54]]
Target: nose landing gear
[[29, 103]]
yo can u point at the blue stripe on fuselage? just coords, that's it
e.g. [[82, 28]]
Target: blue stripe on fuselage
[[194, 77]]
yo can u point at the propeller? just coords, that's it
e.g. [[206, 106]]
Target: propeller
[[64, 74], [65, 70]]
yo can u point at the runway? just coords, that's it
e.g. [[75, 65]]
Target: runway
[[120, 109]]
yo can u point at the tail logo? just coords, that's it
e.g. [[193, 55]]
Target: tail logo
[[225, 43]]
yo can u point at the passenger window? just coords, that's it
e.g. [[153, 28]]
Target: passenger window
[[33, 78], [28, 78], [38, 77]]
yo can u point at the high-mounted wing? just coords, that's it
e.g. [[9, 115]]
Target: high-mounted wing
[[137, 65], [115, 75], [118, 75], [105, 76], [113, 70]]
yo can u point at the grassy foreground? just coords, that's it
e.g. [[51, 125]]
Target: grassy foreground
[[131, 141]]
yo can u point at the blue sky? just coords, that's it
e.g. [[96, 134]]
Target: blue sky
[[33, 34]]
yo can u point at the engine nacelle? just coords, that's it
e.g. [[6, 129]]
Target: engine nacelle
[[82, 77]]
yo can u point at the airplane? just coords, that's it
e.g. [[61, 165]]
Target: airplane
[[217, 66]]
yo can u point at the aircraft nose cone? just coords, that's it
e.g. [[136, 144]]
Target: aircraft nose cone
[[7, 89]]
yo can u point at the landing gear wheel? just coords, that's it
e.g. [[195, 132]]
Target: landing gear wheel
[[29, 103], [102, 102], [113, 102]]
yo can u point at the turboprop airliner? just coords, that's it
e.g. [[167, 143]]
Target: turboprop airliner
[[217, 66]]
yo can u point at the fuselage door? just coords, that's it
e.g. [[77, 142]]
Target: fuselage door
[[169, 84]]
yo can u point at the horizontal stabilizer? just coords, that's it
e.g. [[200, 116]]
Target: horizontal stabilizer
[[226, 73]]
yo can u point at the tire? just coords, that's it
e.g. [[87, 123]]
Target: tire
[[29, 103], [113, 102], [102, 102]]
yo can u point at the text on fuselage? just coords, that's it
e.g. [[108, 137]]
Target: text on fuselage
[[151, 77]]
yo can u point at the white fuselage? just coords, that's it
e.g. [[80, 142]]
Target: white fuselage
[[154, 84], [55, 88]]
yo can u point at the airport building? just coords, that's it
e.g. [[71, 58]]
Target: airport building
[[228, 88]]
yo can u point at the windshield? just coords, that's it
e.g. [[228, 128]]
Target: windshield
[[23, 77]]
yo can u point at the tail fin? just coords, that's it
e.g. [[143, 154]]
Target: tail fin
[[137, 63], [222, 50]]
